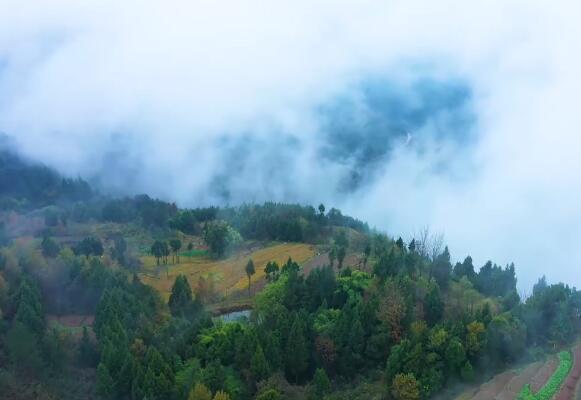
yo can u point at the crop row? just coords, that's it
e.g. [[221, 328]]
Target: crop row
[[552, 386]]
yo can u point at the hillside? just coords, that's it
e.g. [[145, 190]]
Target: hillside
[[104, 297]]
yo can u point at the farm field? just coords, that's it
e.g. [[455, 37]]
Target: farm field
[[511, 384], [556, 378], [228, 276]]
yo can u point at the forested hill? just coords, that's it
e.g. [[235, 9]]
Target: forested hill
[[118, 298]]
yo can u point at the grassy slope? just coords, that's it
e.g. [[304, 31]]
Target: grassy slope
[[228, 275]]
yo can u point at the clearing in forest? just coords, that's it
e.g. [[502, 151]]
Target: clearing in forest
[[228, 275]]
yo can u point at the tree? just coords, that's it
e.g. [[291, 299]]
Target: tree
[[297, 353], [367, 253], [88, 354], [119, 249], [332, 256], [434, 306], [23, 349], [50, 248], [271, 270], [442, 269], [321, 210], [157, 250], [341, 252], [89, 246], [176, 245], [200, 392], [250, 270], [218, 235], [270, 394], [405, 387], [220, 395], [181, 296], [105, 383], [321, 384], [259, 365]]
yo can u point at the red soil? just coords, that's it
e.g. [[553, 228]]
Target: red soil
[[568, 389], [543, 375], [492, 388]]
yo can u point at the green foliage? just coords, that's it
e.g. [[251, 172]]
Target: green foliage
[[553, 384], [200, 392], [220, 236], [24, 349], [321, 385], [259, 366], [180, 299], [49, 247], [89, 246], [405, 387], [297, 351], [250, 270]]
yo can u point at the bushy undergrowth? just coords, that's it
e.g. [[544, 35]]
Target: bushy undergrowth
[[554, 383]]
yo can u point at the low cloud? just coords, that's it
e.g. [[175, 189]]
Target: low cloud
[[456, 115]]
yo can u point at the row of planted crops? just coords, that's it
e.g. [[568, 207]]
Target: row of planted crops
[[553, 385]]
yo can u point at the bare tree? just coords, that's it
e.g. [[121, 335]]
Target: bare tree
[[428, 245]]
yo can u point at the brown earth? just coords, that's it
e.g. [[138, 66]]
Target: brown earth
[[569, 388], [494, 387], [512, 388], [543, 374]]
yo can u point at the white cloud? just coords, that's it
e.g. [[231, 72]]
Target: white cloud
[[165, 82]]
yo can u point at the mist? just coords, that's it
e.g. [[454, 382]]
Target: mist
[[461, 116]]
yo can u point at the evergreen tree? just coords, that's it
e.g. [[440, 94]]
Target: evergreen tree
[[297, 353], [105, 383], [259, 365], [176, 245], [87, 351], [250, 270], [50, 248], [321, 384], [180, 299], [434, 306]]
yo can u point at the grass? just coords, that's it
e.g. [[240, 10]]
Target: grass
[[228, 275], [194, 253], [554, 384]]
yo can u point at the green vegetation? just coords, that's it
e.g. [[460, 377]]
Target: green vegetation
[[554, 384], [403, 322]]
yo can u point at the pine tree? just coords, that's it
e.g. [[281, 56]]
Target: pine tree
[[105, 382], [250, 270], [297, 353], [87, 351], [321, 384], [259, 365], [181, 296], [434, 306]]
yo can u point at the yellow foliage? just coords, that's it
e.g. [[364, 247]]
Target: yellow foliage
[[200, 392], [220, 395]]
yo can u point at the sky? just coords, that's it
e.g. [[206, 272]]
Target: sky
[[461, 116]]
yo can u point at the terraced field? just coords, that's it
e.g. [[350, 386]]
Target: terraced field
[[554, 379], [228, 275]]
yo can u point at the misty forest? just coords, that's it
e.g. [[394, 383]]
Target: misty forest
[[136, 298], [290, 200]]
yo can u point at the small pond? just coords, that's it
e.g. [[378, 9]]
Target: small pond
[[235, 315]]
